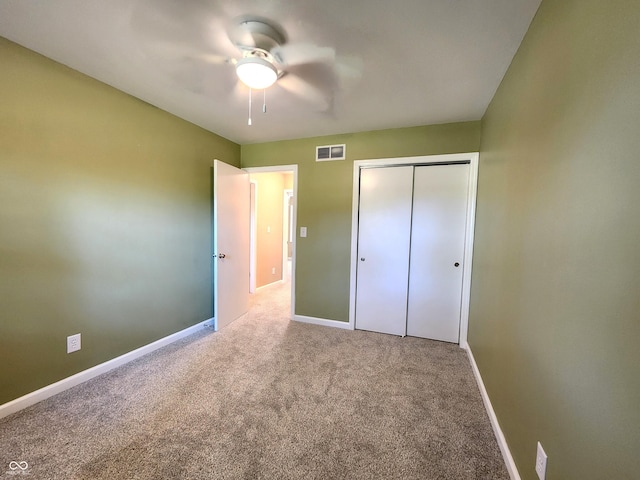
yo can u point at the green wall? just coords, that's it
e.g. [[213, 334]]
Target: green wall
[[325, 192], [555, 308], [105, 221]]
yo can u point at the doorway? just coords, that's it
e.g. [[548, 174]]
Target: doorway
[[273, 219]]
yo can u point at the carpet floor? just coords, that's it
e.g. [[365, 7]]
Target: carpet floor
[[267, 398]]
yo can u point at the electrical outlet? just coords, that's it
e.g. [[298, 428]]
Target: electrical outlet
[[73, 343], [273, 271], [541, 463]]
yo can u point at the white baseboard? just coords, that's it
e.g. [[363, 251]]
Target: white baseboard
[[502, 442], [275, 282], [322, 321], [80, 377]]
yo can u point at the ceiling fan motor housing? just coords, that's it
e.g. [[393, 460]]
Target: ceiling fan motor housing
[[251, 35]]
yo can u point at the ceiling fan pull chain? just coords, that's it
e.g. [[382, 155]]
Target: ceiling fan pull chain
[[250, 91], [264, 101]]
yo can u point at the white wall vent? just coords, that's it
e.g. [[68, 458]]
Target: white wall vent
[[331, 152]]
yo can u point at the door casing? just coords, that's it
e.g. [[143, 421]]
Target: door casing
[[473, 159], [287, 227]]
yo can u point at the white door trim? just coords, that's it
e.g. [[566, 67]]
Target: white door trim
[[472, 158], [294, 169], [253, 189], [288, 192]]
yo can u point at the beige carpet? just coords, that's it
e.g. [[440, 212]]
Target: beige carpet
[[267, 398]]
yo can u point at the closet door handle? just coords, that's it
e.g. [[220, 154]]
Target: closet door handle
[[456, 264]]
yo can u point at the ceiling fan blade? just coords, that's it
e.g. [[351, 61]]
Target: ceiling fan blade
[[197, 77], [306, 91], [167, 30], [165, 51], [348, 71], [292, 54], [214, 59]]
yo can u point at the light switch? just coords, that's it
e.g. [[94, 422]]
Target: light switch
[[303, 232]]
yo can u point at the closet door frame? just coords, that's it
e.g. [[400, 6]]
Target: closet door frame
[[473, 159]]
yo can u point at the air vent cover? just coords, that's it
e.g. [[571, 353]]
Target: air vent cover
[[331, 152]]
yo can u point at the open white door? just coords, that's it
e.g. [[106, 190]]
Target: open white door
[[231, 223]]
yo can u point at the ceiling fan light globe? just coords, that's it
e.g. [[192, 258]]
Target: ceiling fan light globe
[[256, 72]]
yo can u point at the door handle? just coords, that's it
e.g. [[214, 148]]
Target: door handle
[[221, 255]]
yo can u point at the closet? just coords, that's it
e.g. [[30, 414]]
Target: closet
[[412, 224]]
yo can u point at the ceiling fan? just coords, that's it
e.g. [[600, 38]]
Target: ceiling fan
[[266, 55], [263, 57]]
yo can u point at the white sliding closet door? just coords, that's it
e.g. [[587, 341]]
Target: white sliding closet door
[[384, 228], [437, 251]]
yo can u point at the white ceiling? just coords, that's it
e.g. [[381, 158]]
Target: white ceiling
[[421, 61]]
